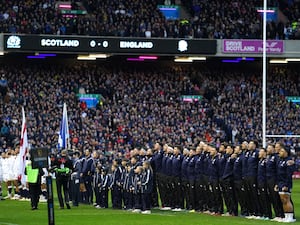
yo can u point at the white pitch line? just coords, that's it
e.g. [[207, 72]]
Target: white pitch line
[[4, 223], [161, 214]]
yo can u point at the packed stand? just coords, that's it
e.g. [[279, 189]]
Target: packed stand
[[232, 20], [240, 19], [41, 17], [106, 18], [128, 18], [142, 106], [291, 10], [210, 19]]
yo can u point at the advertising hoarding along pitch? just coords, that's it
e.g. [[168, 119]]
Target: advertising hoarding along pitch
[[114, 45], [252, 46]]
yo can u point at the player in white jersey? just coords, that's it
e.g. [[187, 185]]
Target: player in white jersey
[[25, 188], [16, 173], [11, 174], [5, 171]]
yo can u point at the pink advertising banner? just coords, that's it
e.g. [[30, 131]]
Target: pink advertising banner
[[252, 46]]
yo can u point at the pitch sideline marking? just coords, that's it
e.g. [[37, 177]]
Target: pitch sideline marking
[[4, 223]]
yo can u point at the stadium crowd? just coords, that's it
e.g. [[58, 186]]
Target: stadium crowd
[[240, 19], [143, 106], [209, 19], [140, 107]]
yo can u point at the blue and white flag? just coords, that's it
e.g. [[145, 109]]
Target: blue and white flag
[[64, 136]]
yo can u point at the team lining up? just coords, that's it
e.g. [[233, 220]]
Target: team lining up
[[200, 179]]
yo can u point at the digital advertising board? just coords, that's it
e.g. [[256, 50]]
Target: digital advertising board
[[114, 45]]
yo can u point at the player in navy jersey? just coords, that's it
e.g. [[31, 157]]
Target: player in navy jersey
[[213, 171], [164, 180], [264, 203], [169, 186], [154, 194], [251, 180], [157, 160], [207, 202], [176, 179], [271, 175], [246, 192], [199, 184], [184, 176], [191, 180], [222, 158], [285, 169], [239, 188], [228, 184]]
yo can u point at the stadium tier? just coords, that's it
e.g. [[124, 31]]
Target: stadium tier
[[202, 19], [139, 106]]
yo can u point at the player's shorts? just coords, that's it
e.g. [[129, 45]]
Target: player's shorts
[[5, 178], [1, 173], [43, 180], [285, 192], [15, 176]]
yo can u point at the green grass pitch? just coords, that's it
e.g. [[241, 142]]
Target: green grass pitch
[[14, 212]]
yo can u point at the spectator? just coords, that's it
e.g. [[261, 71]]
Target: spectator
[[3, 86]]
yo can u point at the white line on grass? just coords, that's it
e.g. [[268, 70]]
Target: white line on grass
[[3, 223], [161, 214]]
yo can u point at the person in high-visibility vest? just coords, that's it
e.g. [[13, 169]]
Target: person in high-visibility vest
[[34, 183]]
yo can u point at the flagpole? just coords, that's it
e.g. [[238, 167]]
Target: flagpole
[[23, 149], [264, 90]]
